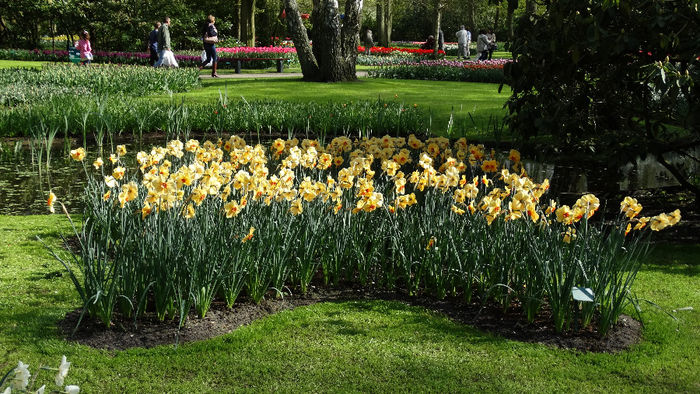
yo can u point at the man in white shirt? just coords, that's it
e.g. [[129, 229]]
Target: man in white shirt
[[464, 38]]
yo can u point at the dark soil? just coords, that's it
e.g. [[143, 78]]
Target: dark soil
[[149, 332]]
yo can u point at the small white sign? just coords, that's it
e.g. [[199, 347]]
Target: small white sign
[[583, 294]]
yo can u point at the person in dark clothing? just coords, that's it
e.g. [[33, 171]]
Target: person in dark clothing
[[153, 43], [429, 43], [210, 38]]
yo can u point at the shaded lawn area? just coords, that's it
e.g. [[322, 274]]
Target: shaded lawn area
[[347, 346], [475, 106]]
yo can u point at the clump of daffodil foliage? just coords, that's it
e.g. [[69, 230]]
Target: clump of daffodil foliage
[[192, 222]]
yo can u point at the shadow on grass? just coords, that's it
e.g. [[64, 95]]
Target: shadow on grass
[[409, 317], [674, 260]]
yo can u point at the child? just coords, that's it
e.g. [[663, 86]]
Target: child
[[84, 47]]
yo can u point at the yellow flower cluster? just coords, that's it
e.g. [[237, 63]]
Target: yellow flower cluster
[[631, 209], [237, 173]]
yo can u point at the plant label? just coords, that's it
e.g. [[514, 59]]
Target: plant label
[[583, 294]]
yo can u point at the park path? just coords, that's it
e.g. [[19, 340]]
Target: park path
[[360, 74]]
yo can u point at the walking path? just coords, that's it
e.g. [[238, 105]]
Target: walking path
[[360, 74]]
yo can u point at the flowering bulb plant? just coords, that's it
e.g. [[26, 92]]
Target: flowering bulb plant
[[17, 380], [189, 222]]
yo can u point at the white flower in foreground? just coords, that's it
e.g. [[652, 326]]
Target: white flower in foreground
[[41, 390], [21, 378], [8, 390], [72, 389], [62, 371]]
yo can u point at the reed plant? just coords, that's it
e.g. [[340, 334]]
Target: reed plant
[[190, 223], [104, 115]]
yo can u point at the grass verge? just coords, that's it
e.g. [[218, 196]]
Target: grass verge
[[348, 346], [474, 106]]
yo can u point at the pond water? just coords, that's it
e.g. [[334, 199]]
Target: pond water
[[24, 184]]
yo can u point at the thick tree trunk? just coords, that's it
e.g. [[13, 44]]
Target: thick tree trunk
[[247, 22], [295, 26], [334, 50]]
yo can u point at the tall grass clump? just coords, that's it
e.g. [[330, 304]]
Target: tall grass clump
[[190, 223], [87, 116]]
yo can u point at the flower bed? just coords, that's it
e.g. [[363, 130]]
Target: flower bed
[[443, 70], [392, 50], [227, 56], [191, 222]]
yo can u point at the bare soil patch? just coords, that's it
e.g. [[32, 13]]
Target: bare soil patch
[[149, 332]]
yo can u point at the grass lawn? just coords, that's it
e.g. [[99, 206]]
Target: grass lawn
[[439, 99], [476, 107], [348, 346], [20, 63]]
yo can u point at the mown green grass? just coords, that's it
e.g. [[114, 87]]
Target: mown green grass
[[348, 346], [475, 107], [20, 63]]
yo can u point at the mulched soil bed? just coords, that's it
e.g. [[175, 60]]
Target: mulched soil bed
[[149, 332]]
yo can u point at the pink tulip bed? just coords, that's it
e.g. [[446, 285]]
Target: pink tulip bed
[[443, 70]]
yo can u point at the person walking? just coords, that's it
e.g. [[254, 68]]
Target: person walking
[[153, 43], [482, 45], [83, 45], [492, 42], [368, 41], [210, 39], [464, 39], [166, 57]]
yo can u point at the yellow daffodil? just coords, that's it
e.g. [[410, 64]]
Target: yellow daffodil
[[51, 201], [77, 154], [248, 236]]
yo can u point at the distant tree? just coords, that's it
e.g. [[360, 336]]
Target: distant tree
[[615, 79]]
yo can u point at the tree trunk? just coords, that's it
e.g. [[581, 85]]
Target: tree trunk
[[471, 15], [295, 26], [438, 18], [530, 7], [247, 23], [238, 14], [495, 21], [388, 15], [334, 53], [512, 6], [380, 24]]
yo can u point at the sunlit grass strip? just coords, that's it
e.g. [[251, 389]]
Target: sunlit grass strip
[[196, 222]]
